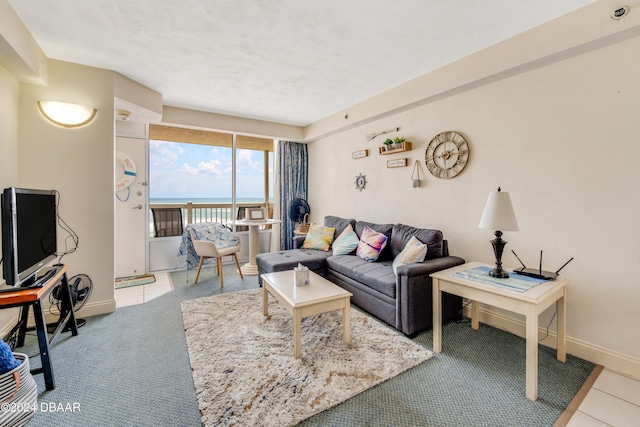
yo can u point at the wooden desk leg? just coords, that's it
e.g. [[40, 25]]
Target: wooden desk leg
[[265, 300], [532, 352], [562, 328], [475, 322], [346, 321], [437, 316], [43, 343], [297, 332]]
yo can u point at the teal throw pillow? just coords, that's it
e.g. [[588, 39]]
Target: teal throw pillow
[[346, 242]]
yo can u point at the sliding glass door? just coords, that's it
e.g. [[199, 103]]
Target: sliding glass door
[[212, 176]]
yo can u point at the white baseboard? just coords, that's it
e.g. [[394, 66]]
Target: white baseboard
[[10, 324], [614, 361], [94, 309], [91, 309]]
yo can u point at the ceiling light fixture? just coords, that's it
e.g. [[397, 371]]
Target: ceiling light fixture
[[66, 114]]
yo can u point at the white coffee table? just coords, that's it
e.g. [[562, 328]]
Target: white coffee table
[[318, 297]]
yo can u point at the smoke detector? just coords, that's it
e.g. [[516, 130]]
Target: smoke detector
[[620, 12], [123, 115]]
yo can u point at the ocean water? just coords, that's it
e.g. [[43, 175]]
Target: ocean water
[[183, 200], [221, 215]]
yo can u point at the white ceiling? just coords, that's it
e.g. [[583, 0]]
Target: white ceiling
[[288, 61]]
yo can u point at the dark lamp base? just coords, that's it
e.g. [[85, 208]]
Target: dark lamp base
[[499, 273], [498, 247]]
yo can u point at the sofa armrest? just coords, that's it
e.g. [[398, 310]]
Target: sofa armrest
[[429, 266], [298, 241], [414, 295]]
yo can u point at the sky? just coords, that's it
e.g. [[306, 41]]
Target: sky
[[180, 170]]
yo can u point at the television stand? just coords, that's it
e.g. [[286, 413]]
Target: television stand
[[32, 297]]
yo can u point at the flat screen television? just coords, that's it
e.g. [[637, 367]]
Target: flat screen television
[[29, 239]]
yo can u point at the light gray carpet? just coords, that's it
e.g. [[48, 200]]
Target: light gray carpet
[[245, 372], [131, 368]]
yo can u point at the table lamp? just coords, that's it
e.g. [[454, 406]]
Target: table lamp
[[498, 215]]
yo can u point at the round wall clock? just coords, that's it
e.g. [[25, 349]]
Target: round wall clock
[[360, 182], [447, 155]]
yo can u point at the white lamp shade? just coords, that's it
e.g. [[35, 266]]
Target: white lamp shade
[[66, 114], [498, 213]]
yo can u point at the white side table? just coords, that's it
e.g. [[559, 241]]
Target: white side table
[[529, 303], [251, 268]]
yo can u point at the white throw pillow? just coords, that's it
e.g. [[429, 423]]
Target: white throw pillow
[[414, 251]]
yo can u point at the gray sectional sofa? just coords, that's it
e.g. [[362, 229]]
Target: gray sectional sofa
[[404, 301]]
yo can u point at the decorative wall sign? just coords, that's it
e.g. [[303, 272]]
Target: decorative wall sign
[[396, 163], [360, 154]]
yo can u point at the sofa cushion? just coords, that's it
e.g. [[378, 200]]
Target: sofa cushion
[[270, 262], [401, 234], [415, 251], [339, 223], [385, 229], [346, 243], [376, 275], [319, 237], [371, 244]]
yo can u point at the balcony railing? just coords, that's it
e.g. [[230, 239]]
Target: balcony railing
[[194, 213]]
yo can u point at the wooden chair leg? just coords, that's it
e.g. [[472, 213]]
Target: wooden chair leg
[[219, 261], [235, 256], [199, 267]]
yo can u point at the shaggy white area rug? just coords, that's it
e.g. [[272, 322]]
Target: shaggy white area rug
[[245, 373]]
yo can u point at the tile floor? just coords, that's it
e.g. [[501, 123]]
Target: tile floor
[[614, 400], [144, 293]]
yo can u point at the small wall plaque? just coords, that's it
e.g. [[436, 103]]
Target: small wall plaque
[[396, 163], [360, 154]]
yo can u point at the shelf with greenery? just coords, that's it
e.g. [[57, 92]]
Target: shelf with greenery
[[396, 145]]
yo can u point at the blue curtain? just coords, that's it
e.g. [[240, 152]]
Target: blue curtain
[[293, 166]]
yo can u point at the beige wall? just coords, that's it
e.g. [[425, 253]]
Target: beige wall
[[563, 140], [8, 129], [79, 163], [220, 122], [8, 157]]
